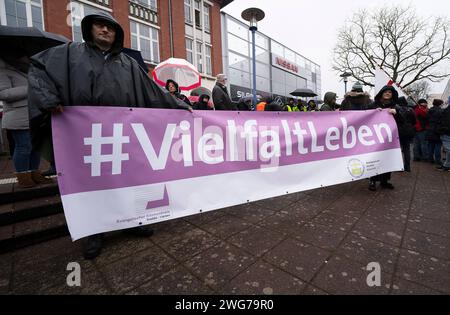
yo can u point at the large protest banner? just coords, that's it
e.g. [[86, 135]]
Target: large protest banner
[[121, 167]]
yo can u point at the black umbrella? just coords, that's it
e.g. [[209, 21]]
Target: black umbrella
[[303, 93], [30, 40], [136, 55], [201, 91]]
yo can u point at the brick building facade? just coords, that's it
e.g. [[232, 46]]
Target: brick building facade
[[160, 29]]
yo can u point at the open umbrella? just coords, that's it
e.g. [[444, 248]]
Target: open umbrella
[[179, 70], [136, 55], [303, 93], [201, 91], [31, 40]]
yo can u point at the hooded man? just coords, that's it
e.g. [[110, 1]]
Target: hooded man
[[93, 73], [387, 98]]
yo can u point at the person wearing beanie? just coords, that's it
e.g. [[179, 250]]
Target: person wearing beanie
[[357, 87], [433, 138], [420, 141], [356, 99]]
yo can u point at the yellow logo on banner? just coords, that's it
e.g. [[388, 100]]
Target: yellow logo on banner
[[356, 168]]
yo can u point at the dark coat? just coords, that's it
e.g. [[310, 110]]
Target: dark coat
[[221, 98], [433, 117], [392, 104], [355, 101], [443, 127]]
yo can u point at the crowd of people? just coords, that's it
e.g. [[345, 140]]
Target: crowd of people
[[97, 73]]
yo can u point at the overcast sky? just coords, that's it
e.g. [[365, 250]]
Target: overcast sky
[[310, 27]]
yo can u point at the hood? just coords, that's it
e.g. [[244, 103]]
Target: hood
[[175, 83], [329, 97], [202, 97], [86, 27], [387, 88]]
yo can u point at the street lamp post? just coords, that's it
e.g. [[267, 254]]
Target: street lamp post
[[253, 15], [345, 75]]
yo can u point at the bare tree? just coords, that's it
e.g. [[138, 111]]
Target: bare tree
[[408, 47], [418, 89]]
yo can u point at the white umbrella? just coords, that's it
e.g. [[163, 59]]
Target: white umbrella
[[179, 70]]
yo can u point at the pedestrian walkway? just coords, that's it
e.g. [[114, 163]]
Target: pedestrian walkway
[[315, 242]]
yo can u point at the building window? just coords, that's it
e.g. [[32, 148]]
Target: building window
[[188, 11], [190, 50], [206, 17], [208, 59], [151, 4], [145, 39], [22, 13], [197, 14], [199, 49]]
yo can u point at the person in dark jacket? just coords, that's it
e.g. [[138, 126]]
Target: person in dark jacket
[[387, 98], [173, 88], [406, 131], [203, 103], [245, 104], [356, 99], [432, 137], [221, 98], [97, 73]]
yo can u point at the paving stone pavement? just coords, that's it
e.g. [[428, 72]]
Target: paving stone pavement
[[314, 242]]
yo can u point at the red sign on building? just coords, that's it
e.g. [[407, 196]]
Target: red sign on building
[[286, 64]]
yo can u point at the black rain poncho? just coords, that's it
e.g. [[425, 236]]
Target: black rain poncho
[[80, 74]]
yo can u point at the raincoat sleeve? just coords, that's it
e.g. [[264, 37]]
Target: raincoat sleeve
[[156, 97], [44, 87]]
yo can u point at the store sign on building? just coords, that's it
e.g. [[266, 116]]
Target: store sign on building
[[284, 64], [238, 92]]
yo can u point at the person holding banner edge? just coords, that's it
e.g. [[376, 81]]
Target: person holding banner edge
[[387, 98], [93, 73]]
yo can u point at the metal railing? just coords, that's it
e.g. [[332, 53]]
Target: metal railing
[[143, 13]]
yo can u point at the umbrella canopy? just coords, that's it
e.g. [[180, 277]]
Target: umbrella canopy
[[201, 91], [179, 70], [31, 40], [303, 93], [136, 55]]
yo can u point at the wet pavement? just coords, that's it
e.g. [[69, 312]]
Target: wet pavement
[[315, 242]]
